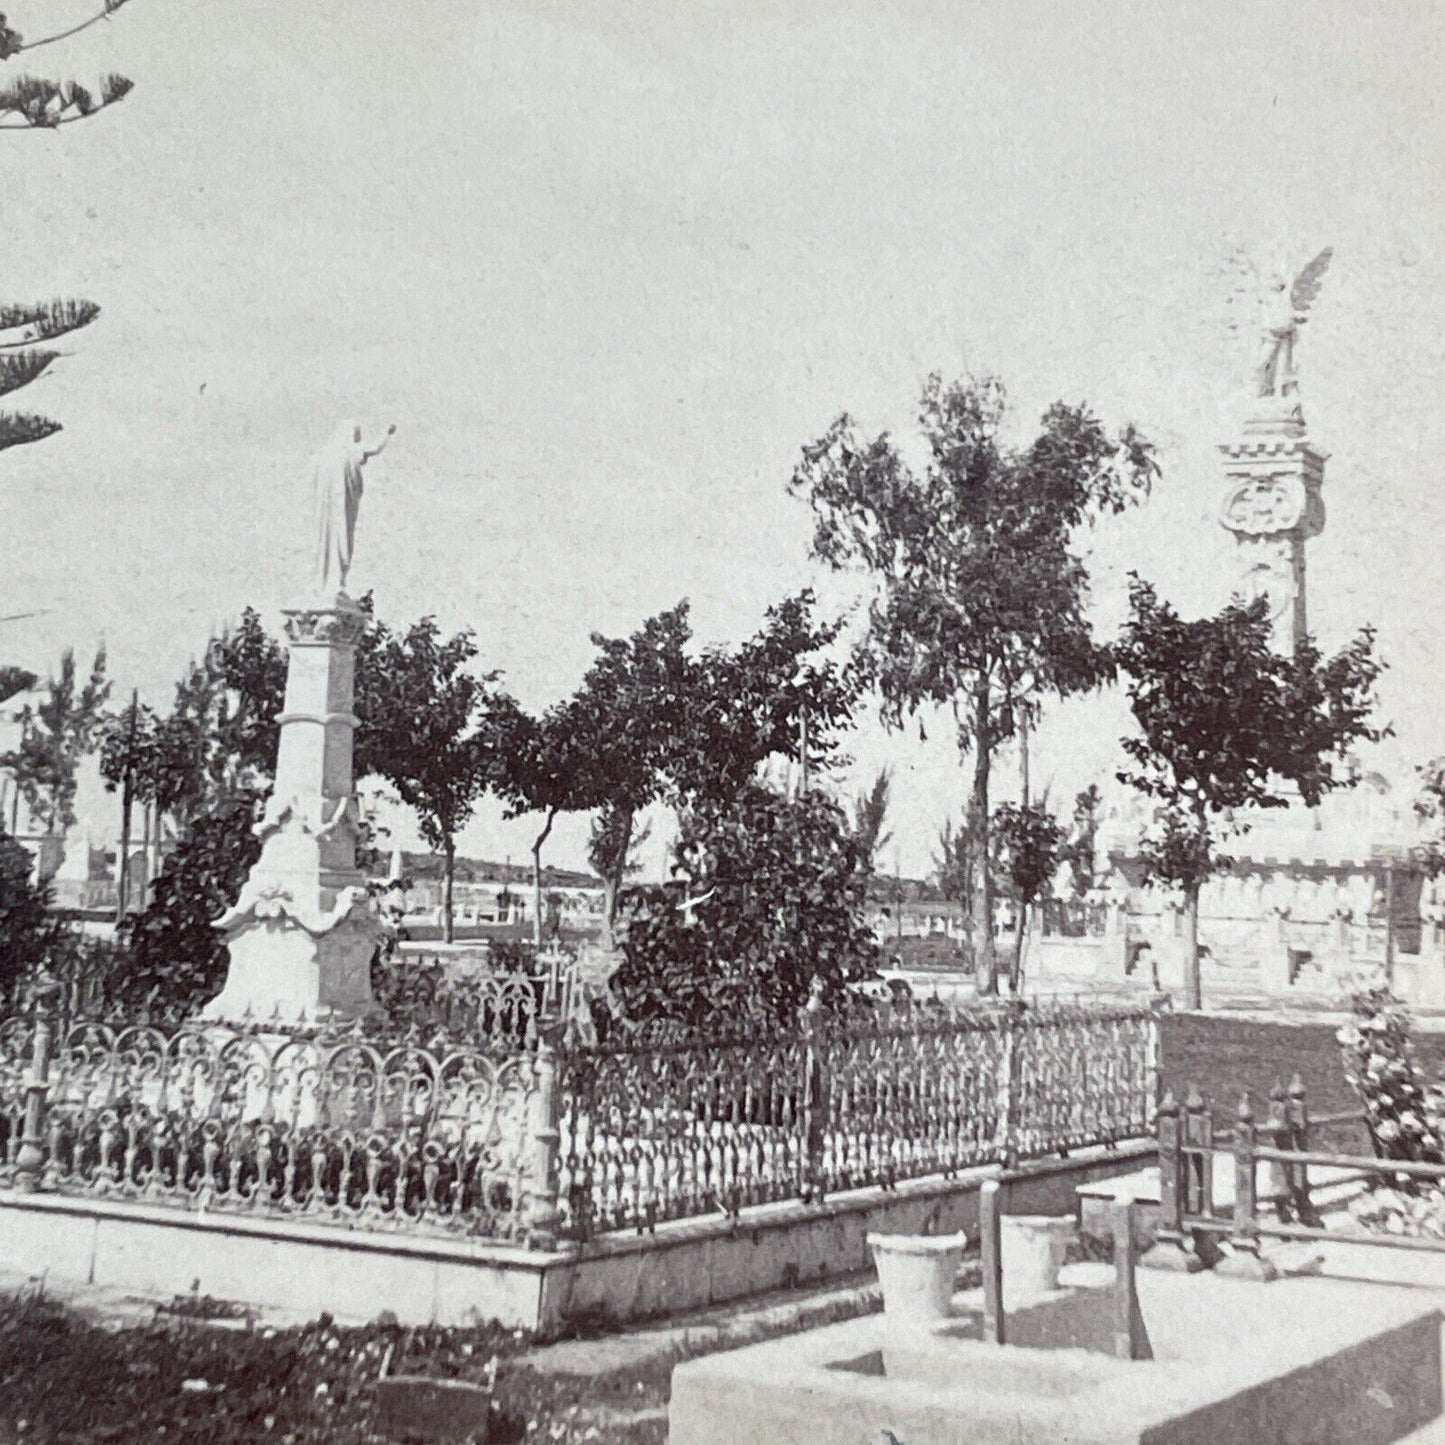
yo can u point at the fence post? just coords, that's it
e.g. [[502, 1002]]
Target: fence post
[[1244, 1260], [1131, 1339], [1277, 1135], [810, 1162], [542, 1216], [1170, 1251], [44, 993], [990, 1249], [1299, 1174], [1006, 1140]]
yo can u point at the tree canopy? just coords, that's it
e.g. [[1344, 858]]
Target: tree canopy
[[1226, 724], [980, 595], [769, 905], [55, 733], [433, 727]]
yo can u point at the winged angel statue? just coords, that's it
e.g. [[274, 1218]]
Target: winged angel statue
[[1285, 309]]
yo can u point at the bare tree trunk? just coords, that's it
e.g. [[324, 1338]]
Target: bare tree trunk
[[127, 796], [617, 869], [145, 856], [1024, 763], [537, 877], [985, 956], [449, 869], [122, 872], [1193, 992], [1016, 972]]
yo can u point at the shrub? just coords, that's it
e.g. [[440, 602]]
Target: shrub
[[1404, 1112], [176, 959], [28, 930]]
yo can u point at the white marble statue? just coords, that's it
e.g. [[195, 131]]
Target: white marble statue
[[1286, 306], [336, 493]]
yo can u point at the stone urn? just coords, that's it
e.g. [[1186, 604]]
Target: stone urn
[[1032, 1249], [916, 1273]]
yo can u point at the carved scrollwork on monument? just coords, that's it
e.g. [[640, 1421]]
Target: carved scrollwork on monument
[[1267, 571], [312, 816], [1256, 506], [342, 626]]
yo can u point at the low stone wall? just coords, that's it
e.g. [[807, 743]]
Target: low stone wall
[[355, 1274]]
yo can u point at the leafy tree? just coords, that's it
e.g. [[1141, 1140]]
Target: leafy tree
[[1030, 844], [220, 739], [953, 862], [1083, 840], [1227, 724], [27, 329], [870, 810], [1430, 809], [613, 842], [981, 595], [776, 695], [125, 755], [652, 721], [54, 735], [544, 769], [622, 731], [770, 905], [177, 960], [27, 927], [250, 666], [432, 728]]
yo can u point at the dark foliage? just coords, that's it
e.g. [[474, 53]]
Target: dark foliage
[[28, 931], [177, 959], [769, 908]]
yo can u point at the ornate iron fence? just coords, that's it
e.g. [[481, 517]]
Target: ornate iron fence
[[527, 1140], [323, 1128], [664, 1131]]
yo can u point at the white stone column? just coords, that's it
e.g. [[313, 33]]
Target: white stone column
[[1273, 506], [304, 929]]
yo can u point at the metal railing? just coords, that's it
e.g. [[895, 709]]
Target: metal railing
[[1192, 1222], [523, 1137], [666, 1131], [323, 1127]]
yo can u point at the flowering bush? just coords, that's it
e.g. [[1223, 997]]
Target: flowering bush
[[1417, 1213], [1403, 1111]]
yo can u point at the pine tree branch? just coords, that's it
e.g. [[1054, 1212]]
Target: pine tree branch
[[43, 321], [18, 429], [23, 368], [12, 44], [32, 104]]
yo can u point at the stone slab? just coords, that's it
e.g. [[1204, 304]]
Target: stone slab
[[1342, 1365]]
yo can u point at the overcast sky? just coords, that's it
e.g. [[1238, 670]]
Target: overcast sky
[[607, 266]]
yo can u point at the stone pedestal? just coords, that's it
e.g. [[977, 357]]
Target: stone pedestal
[[916, 1274], [1273, 506], [304, 929], [1033, 1248]]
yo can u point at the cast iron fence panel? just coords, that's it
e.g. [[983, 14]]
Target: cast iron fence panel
[[511, 1142], [325, 1128], [659, 1131]]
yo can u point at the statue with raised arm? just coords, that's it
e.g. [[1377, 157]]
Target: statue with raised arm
[[1286, 308], [336, 492]]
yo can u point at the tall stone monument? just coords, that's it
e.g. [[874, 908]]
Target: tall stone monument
[[1273, 473], [302, 934]]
